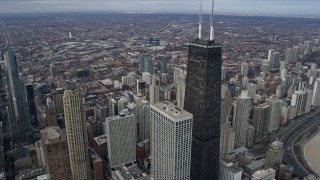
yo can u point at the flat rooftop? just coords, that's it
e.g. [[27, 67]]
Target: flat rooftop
[[171, 110], [100, 139]]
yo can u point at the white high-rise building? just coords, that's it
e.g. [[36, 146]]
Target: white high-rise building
[[154, 89], [146, 77], [245, 82], [299, 101], [309, 100], [181, 88], [316, 93], [268, 174], [244, 69], [53, 72], [284, 73], [252, 90], [288, 55], [275, 113], [171, 135], [240, 121], [121, 138], [128, 80]]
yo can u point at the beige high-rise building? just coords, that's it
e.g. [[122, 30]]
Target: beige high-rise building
[[76, 132], [55, 150], [227, 142], [154, 89], [274, 154]]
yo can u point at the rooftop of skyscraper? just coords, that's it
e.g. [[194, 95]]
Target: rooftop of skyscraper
[[171, 110]]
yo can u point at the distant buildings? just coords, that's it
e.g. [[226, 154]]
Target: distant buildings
[[154, 89], [77, 137], [244, 69], [181, 88], [53, 72], [171, 134], [145, 64]]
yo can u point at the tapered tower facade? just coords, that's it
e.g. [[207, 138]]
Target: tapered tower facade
[[17, 102], [76, 132], [203, 99]]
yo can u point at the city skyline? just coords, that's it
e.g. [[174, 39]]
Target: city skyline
[[228, 7]]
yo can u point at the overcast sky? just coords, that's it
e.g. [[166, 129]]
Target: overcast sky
[[241, 7]]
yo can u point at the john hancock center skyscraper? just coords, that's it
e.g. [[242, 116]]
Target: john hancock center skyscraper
[[202, 99]]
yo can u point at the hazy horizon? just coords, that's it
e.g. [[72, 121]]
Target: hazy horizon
[[292, 8]]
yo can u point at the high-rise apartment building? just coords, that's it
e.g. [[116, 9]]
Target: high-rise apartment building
[[203, 99], [244, 69], [261, 117], [316, 93], [121, 138], [55, 151], [144, 120], [274, 154], [227, 141], [181, 88], [171, 136], [145, 63], [240, 122], [77, 137], [275, 113], [299, 101], [252, 90], [18, 112], [155, 89]]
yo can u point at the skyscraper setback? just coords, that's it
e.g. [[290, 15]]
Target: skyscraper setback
[[202, 99]]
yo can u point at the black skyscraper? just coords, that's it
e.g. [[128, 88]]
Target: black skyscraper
[[31, 105], [202, 99]]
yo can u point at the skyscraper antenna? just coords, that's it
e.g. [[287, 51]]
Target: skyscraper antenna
[[212, 22], [200, 21]]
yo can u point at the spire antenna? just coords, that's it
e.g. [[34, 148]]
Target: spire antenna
[[200, 21], [212, 23]]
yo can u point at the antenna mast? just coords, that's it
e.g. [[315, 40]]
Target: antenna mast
[[212, 22], [200, 21]]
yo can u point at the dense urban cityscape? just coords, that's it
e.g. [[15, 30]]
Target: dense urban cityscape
[[159, 96]]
